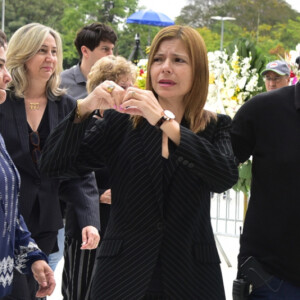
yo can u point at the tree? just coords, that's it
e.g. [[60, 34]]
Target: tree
[[289, 33], [21, 12], [198, 12], [211, 39], [68, 16], [251, 13], [272, 25], [280, 38], [126, 44], [78, 13]]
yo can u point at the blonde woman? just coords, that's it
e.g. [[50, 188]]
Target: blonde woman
[[17, 249], [34, 105]]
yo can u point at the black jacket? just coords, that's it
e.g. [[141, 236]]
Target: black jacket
[[268, 128], [39, 195], [144, 222]]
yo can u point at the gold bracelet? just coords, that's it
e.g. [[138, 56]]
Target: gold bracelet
[[78, 115]]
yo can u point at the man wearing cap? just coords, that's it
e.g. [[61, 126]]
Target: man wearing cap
[[267, 127], [276, 75]]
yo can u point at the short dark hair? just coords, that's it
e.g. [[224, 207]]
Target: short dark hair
[[91, 36]]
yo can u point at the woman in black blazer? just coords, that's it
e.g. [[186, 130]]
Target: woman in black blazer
[[165, 154], [35, 105]]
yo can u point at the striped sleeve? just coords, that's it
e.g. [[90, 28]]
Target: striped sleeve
[[210, 158], [61, 149]]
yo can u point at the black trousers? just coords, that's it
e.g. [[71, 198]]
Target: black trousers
[[78, 270]]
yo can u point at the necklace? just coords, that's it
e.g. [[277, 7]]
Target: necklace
[[34, 105]]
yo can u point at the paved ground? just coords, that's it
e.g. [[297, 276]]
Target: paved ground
[[230, 246], [58, 273]]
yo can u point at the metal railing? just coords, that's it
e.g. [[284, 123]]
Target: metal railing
[[227, 213], [227, 216]]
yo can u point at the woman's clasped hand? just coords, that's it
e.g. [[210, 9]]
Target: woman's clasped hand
[[133, 101]]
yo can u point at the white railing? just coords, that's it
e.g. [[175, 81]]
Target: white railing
[[227, 216], [227, 213]]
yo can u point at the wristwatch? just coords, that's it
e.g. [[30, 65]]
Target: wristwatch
[[166, 115]]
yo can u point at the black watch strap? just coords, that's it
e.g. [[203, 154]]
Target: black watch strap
[[160, 121]]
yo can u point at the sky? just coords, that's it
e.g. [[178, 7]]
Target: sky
[[172, 8]]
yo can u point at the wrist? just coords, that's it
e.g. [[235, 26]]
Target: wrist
[[166, 115], [78, 113], [81, 112]]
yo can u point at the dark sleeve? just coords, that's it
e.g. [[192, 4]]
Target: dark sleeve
[[62, 148], [71, 150], [82, 192], [243, 132], [209, 155]]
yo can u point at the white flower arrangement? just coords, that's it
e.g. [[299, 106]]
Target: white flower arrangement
[[290, 58], [232, 81]]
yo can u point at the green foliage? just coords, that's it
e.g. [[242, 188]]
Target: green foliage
[[272, 25], [127, 42], [68, 16], [245, 175], [211, 39], [80, 13], [247, 48], [198, 12], [70, 23], [289, 32], [21, 12]]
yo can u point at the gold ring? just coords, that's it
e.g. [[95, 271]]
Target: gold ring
[[110, 88], [132, 94]]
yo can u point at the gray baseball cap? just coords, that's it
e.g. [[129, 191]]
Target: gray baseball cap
[[278, 66]]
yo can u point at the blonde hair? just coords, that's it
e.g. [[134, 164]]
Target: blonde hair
[[109, 68], [23, 45], [195, 99]]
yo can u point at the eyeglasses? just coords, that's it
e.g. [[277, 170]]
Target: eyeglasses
[[276, 79], [35, 141]]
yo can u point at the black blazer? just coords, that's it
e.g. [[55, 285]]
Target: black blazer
[[39, 195], [144, 221]]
